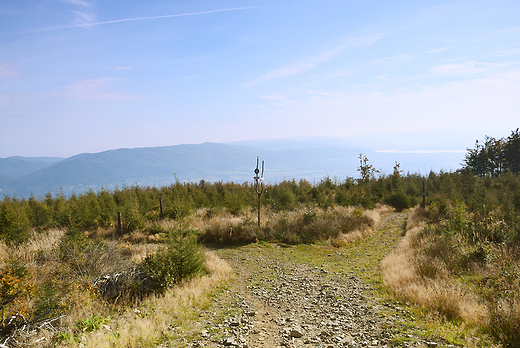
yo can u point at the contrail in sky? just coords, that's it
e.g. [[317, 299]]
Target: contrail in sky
[[137, 19]]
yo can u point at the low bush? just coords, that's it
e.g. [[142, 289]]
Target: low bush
[[464, 264], [504, 321], [179, 259], [304, 225], [400, 201]]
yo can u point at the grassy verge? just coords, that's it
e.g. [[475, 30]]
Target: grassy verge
[[449, 304], [170, 317], [120, 291]]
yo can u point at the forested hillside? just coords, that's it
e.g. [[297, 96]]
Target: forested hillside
[[212, 162]]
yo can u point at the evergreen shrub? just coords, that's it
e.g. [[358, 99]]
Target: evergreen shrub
[[180, 259]]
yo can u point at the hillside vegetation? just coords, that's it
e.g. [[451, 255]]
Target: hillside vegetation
[[68, 254], [160, 166]]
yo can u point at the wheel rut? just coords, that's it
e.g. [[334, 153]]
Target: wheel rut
[[311, 296]]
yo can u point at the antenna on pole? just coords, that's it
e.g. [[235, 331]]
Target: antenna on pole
[[259, 184]]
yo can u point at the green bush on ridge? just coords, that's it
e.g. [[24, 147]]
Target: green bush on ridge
[[179, 259]]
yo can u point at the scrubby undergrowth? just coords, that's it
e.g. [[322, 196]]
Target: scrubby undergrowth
[[445, 265], [105, 284], [307, 224]]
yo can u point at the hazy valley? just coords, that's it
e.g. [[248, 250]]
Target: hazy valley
[[159, 166]]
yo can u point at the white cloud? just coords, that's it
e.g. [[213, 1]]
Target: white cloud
[[84, 14], [78, 3], [464, 68], [312, 61], [84, 18], [483, 103]]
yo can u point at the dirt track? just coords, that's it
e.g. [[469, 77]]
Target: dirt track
[[310, 296]]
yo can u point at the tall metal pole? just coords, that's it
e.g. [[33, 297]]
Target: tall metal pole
[[259, 184]]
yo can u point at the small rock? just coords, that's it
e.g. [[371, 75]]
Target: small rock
[[230, 342], [296, 333]]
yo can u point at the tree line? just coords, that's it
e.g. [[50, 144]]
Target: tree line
[[492, 157], [140, 206]]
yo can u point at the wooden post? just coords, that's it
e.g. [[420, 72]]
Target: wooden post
[[423, 195], [162, 208], [259, 210], [119, 224]]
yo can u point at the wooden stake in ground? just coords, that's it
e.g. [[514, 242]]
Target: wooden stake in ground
[[259, 184]]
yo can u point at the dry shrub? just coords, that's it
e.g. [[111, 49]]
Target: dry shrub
[[347, 238], [454, 302], [101, 232], [398, 268], [424, 280], [28, 252], [136, 236], [302, 225], [148, 324], [140, 251], [227, 228], [313, 224], [416, 219], [365, 228], [504, 321]]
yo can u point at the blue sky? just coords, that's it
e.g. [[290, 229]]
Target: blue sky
[[87, 76]]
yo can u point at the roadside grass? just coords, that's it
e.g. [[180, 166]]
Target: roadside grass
[[161, 318], [354, 246], [363, 258], [57, 271], [448, 306]]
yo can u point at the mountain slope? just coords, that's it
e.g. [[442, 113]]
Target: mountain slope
[[158, 166], [17, 166]]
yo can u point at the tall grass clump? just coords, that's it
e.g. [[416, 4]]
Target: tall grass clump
[[461, 254], [306, 224], [423, 269], [148, 323]]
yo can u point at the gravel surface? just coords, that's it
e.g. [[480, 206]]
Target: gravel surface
[[277, 301]]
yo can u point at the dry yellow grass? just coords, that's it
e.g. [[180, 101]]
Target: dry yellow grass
[[366, 229], [306, 224], [401, 273], [147, 324], [26, 252]]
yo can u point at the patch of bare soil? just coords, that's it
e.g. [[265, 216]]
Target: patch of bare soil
[[310, 296]]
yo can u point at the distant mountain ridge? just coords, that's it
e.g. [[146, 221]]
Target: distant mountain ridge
[[159, 166], [17, 165]]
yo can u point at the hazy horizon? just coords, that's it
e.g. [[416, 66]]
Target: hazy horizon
[[84, 76], [374, 143]]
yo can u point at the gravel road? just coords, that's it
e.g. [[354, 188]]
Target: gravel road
[[278, 300]]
